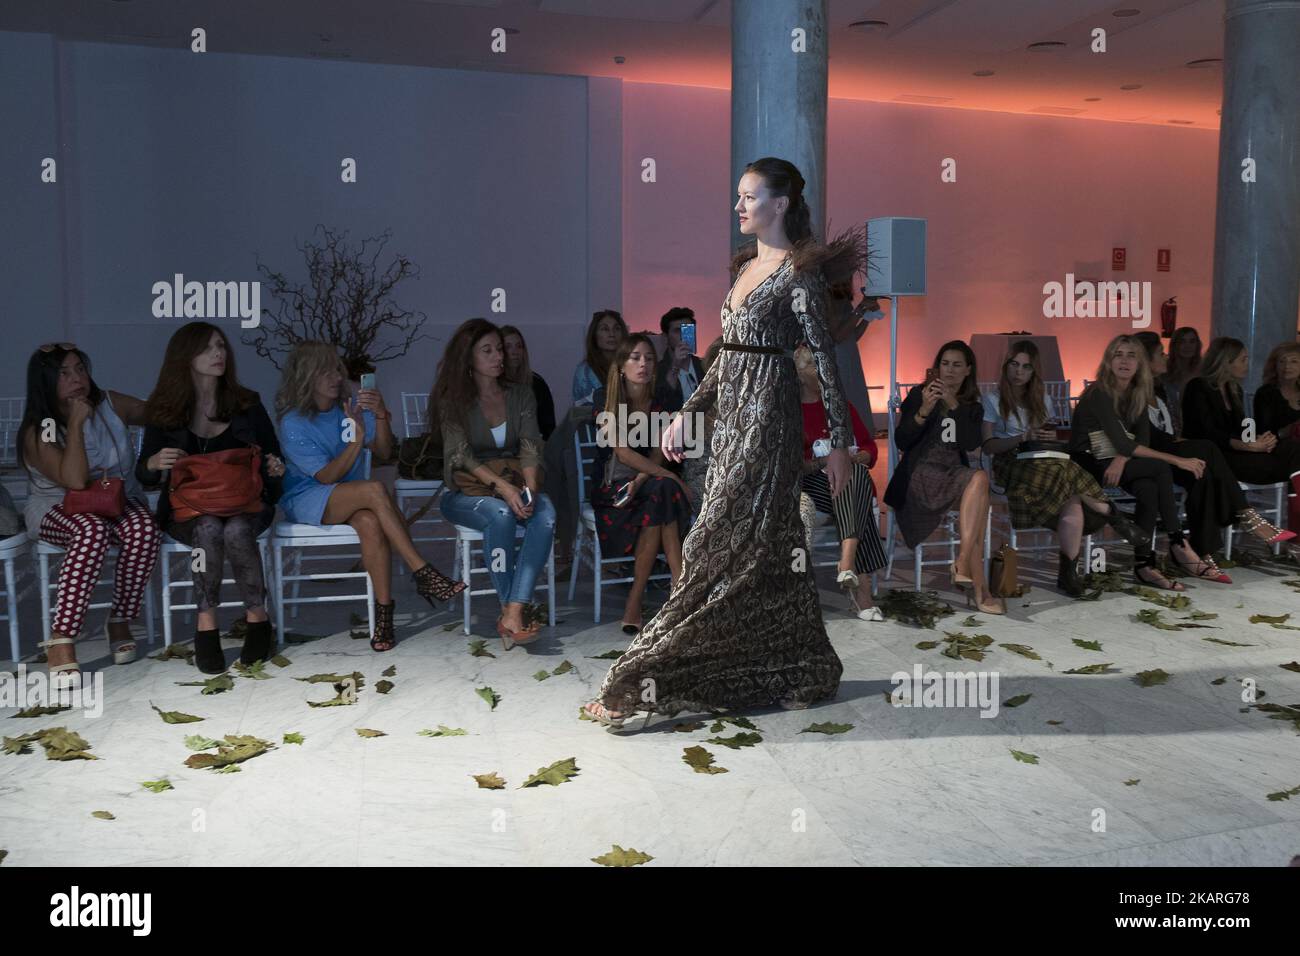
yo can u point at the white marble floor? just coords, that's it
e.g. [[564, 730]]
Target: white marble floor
[[904, 786]]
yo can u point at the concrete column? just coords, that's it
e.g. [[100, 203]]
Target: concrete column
[[778, 95], [1257, 226]]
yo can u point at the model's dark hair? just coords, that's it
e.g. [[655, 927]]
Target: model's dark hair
[[43, 391], [678, 313], [524, 375], [171, 403], [454, 389], [1032, 400], [595, 357], [970, 390]]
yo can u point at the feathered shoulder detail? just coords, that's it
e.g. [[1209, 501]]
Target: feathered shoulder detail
[[836, 261]]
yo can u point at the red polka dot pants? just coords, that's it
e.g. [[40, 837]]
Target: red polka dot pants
[[87, 538]]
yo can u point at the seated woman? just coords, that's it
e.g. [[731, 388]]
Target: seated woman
[[938, 425], [1214, 409], [606, 331], [324, 431], [198, 407], [1277, 403], [492, 450], [1184, 363], [1113, 439], [861, 552], [72, 433], [1046, 492], [520, 370], [641, 506]]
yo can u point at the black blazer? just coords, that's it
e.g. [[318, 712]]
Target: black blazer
[[545, 406], [250, 427], [1272, 411], [1205, 415], [911, 438]]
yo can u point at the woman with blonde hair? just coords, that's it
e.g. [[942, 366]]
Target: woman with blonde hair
[[1044, 489], [324, 430]]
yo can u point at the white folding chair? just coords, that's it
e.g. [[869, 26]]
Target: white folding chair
[[1275, 511], [44, 551], [584, 445], [466, 541], [302, 542], [11, 416], [1059, 395], [12, 548], [171, 548], [415, 422], [826, 538]]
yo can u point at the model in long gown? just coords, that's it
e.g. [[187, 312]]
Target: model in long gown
[[743, 627]]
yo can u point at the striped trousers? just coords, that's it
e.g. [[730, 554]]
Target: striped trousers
[[853, 513]]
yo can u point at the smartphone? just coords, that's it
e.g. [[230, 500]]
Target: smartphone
[[688, 335], [930, 375], [624, 495], [368, 381], [528, 496]]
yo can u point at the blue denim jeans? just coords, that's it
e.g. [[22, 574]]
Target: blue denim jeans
[[498, 523]]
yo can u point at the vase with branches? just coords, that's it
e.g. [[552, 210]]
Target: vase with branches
[[346, 300]]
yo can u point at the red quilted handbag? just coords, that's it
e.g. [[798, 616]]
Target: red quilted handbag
[[222, 483], [104, 496]]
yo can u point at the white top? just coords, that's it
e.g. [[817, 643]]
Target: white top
[[108, 450], [1017, 424], [499, 434]]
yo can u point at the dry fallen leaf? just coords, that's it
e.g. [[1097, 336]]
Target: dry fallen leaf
[[621, 857], [489, 781]]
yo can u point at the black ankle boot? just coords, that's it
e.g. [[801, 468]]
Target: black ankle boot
[[208, 655], [383, 639], [257, 643], [1067, 576], [1126, 529]]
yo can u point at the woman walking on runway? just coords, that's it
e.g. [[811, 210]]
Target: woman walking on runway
[[743, 625]]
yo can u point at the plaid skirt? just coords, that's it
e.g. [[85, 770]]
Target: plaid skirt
[[1038, 488]]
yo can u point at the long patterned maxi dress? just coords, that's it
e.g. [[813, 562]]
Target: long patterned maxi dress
[[743, 627]]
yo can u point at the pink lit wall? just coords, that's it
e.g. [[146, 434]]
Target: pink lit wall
[[1034, 198]]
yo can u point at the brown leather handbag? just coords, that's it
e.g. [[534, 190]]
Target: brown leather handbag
[[1004, 573], [222, 483], [507, 469]]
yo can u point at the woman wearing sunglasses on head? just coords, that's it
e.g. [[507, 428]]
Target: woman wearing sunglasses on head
[[82, 495]]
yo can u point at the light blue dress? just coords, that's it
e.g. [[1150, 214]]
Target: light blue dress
[[309, 444]]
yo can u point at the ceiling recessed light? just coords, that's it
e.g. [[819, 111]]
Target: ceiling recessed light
[[1205, 63], [1092, 99], [1126, 12], [1046, 45], [1131, 86], [982, 73], [620, 59], [869, 26]]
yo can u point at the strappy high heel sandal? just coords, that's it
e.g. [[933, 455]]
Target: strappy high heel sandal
[[597, 711], [67, 675], [959, 580], [510, 637], [1203, 569], [1251, 521], [1213, 572], [383, 638], [125, 652], [431, 584]]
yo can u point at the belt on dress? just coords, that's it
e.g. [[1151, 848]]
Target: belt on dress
[[759, 349]]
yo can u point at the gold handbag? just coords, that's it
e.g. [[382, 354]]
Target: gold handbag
[[507, 469]]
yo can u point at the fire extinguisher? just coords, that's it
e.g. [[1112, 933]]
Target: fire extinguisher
[[1169, 317]]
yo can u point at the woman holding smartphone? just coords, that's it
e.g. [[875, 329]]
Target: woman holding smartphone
[[324, 432], [641, 507], [492, 449], [938, 426]]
